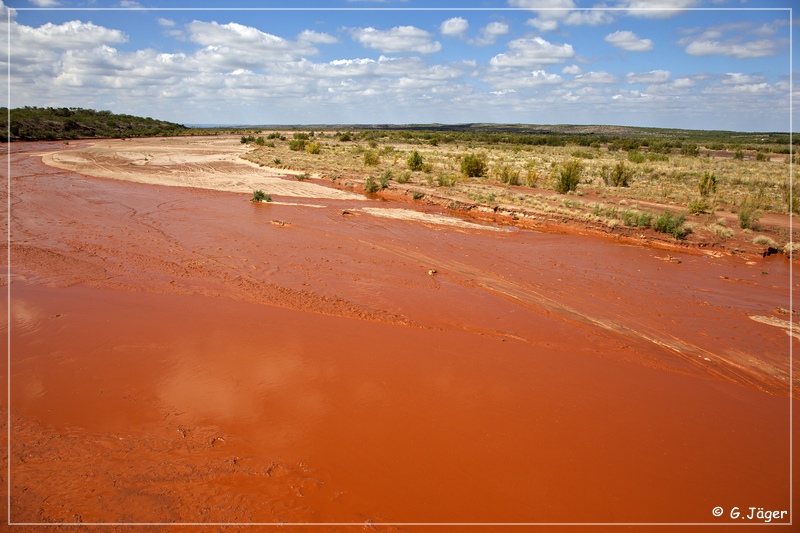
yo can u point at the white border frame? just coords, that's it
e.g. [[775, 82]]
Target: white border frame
[[388, 524]]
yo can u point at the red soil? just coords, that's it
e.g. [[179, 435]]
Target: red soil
[[182, 355]]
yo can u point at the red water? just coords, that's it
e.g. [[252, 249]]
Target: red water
[[179, 355]]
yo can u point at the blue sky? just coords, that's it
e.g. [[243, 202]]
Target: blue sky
[[701, 64]]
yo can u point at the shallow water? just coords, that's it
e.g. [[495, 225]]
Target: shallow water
[[183, 355]]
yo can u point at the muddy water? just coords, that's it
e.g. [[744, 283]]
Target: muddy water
[[180, 355]]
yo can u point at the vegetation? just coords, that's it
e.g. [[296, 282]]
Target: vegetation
[[415, 162], [66, 123], [370, 185], [473, 165], [670, 223], [260, 196], [569, 176]]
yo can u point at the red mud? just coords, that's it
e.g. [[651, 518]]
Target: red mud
[[182, 355]]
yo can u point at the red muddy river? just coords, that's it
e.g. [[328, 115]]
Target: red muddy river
[[181, 355]]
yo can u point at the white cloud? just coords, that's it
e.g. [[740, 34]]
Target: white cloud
[[491, 32], [658, 9], [522, 80], [45, 3], [543, 25], [531, 53], [751, 49], [234, 45], [737, 78], [627, 40], [572, 69], [166, 23], [69, 35], [594, 78], [397, 40], [454, 27], [652, 77], [589, 18], [311, 36]]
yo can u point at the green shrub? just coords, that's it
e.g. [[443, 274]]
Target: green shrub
[[416, 195], [260, 196], [668, 222], [690, 149], [748, 216], [301, 136], [473, 165], [620, 175], [260, 141], [569, 176], [635, 156], [506, 174], [274, 135], [634, 218], [385, 178], [297, 145], [405, 177], [761, 156], [707, 184], [443, 180], [698, 206], [370, 185], [738, 154], [415, 161], [371, 158]]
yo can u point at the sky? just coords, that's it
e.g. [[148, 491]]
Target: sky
[[696, 64]]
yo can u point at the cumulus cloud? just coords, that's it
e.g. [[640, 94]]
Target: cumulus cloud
[[594, 78], [739, 50], [69, 35], [534, 52], [737, 78], [397, 40], [572, 69], [519, 81], [656, 9], [234, 45], [491, 32], [627, 40], [652, 77], [311, 36], [454, 27]]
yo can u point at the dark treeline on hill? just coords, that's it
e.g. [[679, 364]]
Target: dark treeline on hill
[[63, 123]]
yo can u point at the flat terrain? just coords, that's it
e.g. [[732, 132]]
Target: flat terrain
[[180, 354]]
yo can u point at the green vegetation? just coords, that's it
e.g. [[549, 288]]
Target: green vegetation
[[670, 223], [415, 161], [370, 185], [65, 123], [260, 196], [569, 176], [473, 165]]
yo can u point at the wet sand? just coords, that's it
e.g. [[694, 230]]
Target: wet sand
[[182, 355]]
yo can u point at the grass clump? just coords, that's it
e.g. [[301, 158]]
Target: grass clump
[[405, 177], [668, 222], [370, 185], [763, 240], [371, 158], [260, 196], [707, 184], [634, 218], [698, 206], [569, 176], [620, 175], [473, 165], [415, 161], [313, 148], [385, 178], [416, 195], [748, 216]]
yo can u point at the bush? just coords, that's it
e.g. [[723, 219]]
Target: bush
[[415, 161], [260, 196], [569, 176], [690, 149], [473, 165], [297, 145], [416, 195], [708, 184], [313, 148], [506, 174], [635, 218], [370, 185], [620, 175], [698, 206], [531, 175], [668, 222], [371, 158], [385, 178], [405, 177], [635, 156], [748, 216]]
